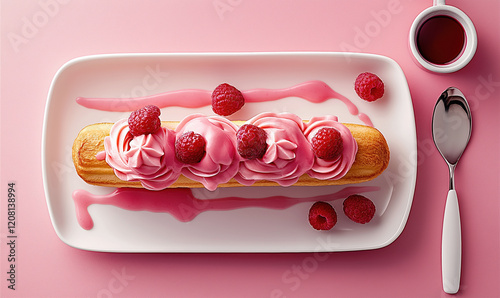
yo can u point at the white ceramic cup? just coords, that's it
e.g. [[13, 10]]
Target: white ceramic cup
[[470, 44]]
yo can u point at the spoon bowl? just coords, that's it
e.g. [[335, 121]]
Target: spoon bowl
[[451, 124], [451, 130]]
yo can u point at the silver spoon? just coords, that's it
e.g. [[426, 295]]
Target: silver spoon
[[451, 130]]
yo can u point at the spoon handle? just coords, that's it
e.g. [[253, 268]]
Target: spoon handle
[[451, 249]]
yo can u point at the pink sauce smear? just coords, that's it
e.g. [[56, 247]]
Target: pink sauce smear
[[181, 203], [313, 91]]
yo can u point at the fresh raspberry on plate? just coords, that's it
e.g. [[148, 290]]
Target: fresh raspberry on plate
[[144, 121], [369, 86], [226, 100], [359, 209], [327, 144], [190, 147], [322, 216], [251, 141]]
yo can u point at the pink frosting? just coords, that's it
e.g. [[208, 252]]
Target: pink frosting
[[149, 158], [221, 161], [288, 156], [336, 169]]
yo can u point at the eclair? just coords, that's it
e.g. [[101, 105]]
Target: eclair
[[107, 154]]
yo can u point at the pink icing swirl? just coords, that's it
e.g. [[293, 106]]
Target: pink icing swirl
[[336, 169], [288, 155], [146, 158], [221, 161]]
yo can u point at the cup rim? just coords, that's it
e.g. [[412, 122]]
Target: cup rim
[[470, 40]]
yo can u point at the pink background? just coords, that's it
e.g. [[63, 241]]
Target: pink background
[[39, 36]]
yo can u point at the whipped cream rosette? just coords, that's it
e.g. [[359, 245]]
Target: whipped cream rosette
[[148, 158], [332, 169], [221, 160], [288, 155]]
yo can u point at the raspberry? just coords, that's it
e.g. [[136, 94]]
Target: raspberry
[[327, 144], [144, 121], [251, 141], [226, 100], [359, 209], [369, 86], [322, 216], [190, 147]]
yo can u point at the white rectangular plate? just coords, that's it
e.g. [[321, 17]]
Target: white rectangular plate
[[243, 230]]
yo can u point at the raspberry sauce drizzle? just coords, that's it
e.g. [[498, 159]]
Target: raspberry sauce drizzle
[[313, 91], [184, 206]]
